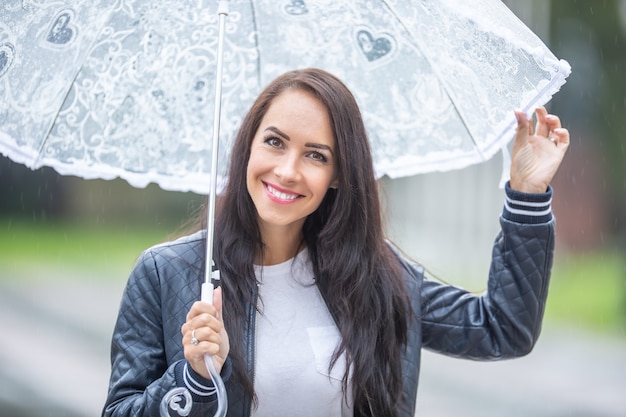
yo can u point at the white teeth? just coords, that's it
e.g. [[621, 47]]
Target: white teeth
[[280, 195]]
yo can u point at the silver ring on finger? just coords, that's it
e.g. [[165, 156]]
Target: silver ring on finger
[[194, 340]]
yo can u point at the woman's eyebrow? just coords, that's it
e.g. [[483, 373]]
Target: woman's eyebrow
[[308, 144], [278, 132]]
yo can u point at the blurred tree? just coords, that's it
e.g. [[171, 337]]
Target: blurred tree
[[44, 195], [591, 34], [30, 194]]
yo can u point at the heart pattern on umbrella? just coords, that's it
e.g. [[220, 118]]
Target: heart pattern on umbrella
[[7, 52], [62, 31], [296, 8], [374, 48]]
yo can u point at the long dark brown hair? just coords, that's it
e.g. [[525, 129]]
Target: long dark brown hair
[[356, 273]]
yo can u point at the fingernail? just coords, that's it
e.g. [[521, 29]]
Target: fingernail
[[517, 115]]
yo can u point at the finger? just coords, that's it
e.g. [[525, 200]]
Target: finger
[[218, 302], [553, 122], [204, 312], [523, 122], [561, 136], [542, 124], [195, 324], [202, 335], [524, 128], [204, 340], [198, 308], [201, 321]]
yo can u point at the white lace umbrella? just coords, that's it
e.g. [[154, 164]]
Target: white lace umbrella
[[106, 89]]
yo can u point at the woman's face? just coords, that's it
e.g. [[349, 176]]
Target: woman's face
[[292, 160]]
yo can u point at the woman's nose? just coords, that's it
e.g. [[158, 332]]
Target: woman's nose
[[287, 168]]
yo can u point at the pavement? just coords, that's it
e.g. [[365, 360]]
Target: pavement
[[54, 352], [570, 373], [54, 361]]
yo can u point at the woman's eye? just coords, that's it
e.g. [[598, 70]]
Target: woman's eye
[[273, 142], [317, 156]]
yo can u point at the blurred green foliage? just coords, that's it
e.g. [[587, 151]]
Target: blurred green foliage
[[588, 290], [38, 249]]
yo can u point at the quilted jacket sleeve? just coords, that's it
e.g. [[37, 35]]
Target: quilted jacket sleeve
[[146, 351], [505, 321]]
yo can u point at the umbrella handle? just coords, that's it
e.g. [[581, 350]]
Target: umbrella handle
[[173, 398], [220, 389]]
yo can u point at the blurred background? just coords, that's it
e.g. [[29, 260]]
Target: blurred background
[[67, 246]]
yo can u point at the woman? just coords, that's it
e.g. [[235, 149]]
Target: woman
[[321, 315]]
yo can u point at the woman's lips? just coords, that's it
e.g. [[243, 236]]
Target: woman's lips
[[280, 195]]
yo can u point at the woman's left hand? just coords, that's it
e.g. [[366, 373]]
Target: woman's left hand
[[537, 151]]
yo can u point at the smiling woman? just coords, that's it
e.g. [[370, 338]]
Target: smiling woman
[[291, 167], [320, 314]]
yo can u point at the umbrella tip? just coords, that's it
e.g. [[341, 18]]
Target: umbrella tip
[[222, 7]]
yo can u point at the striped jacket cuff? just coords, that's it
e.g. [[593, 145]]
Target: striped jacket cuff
[[200, 388], [527, 208], [197, 384]]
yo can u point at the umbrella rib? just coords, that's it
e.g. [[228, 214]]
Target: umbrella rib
[[67, 92], [256, 41], [46, 136], [53, 119], [445, 87]]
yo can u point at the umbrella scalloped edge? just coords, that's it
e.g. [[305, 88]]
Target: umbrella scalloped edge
[[445, 161], [196, 183]]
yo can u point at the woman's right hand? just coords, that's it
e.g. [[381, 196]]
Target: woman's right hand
[[537, 151], [206, 323]]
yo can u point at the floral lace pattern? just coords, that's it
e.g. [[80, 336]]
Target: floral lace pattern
[[126, 88]]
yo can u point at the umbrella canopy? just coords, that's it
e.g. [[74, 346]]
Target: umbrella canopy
[[106, 89]]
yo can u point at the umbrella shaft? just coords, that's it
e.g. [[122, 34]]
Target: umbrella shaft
[[223, 12]]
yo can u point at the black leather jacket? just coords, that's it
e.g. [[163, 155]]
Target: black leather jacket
[[505, 321]]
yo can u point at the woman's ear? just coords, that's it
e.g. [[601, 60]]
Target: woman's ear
[[334, 184]]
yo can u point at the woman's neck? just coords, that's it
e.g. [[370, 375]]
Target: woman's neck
[[280, 245]]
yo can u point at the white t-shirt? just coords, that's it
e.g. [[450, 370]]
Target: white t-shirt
[[295, 339]]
